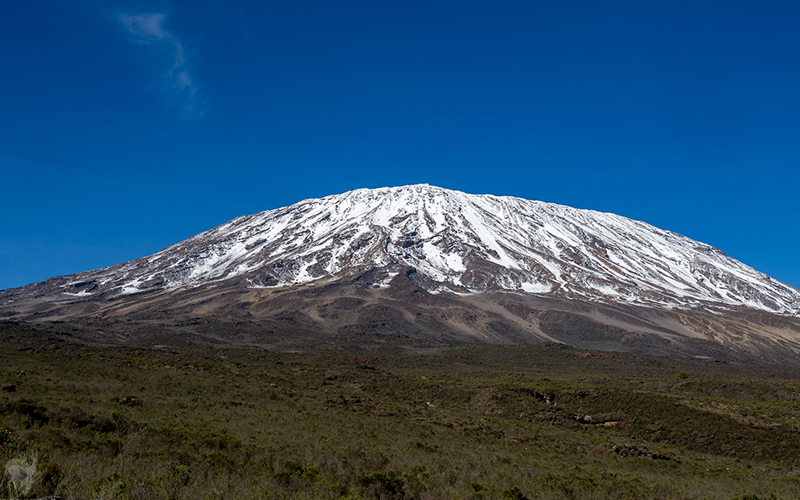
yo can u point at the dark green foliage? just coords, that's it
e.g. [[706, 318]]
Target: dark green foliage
[[385, 483], [513, 493], [50, 477], [29, 410], [294, 468], [6, 438]]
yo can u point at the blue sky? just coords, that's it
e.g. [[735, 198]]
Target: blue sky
[[127, 126]]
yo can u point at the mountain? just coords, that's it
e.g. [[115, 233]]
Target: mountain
[[499, 256]]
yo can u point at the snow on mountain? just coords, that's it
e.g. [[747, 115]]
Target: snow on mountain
[[457, 242]]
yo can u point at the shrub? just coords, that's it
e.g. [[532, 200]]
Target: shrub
[[28, 409], [51, 477], [513, 493], [7, 439], [389, 482], [297, 469]]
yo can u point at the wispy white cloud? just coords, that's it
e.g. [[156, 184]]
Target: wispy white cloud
[[148, 27], [148, 30]]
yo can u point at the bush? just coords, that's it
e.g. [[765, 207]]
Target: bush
[[27, 409], [7, 439], [297, 469], [513, 493], [51, 477], [388, 482]]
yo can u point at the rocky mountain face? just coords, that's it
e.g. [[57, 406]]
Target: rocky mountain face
[[470, 267]]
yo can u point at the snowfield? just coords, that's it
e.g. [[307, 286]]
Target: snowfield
[[459, 242]]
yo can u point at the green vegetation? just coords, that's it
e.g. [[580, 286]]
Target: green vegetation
[[524, 422]]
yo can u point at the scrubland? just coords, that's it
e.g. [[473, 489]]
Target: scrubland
[[185, 421]]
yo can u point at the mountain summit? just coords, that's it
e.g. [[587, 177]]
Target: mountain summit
[[421, 261]]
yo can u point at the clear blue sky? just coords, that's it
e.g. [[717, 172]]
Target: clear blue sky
[[127, 126]]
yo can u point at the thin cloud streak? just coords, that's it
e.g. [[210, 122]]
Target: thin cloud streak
[[148, 30], [146, 26]]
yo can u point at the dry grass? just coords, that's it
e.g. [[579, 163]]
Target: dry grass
[[480, 422]]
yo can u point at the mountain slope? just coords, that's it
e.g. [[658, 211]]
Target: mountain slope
[[421, 264], [456, 242]]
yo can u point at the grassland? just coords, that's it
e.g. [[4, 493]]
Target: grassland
[[382, 422]]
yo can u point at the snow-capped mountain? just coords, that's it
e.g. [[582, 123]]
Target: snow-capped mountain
[[458, 243]]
